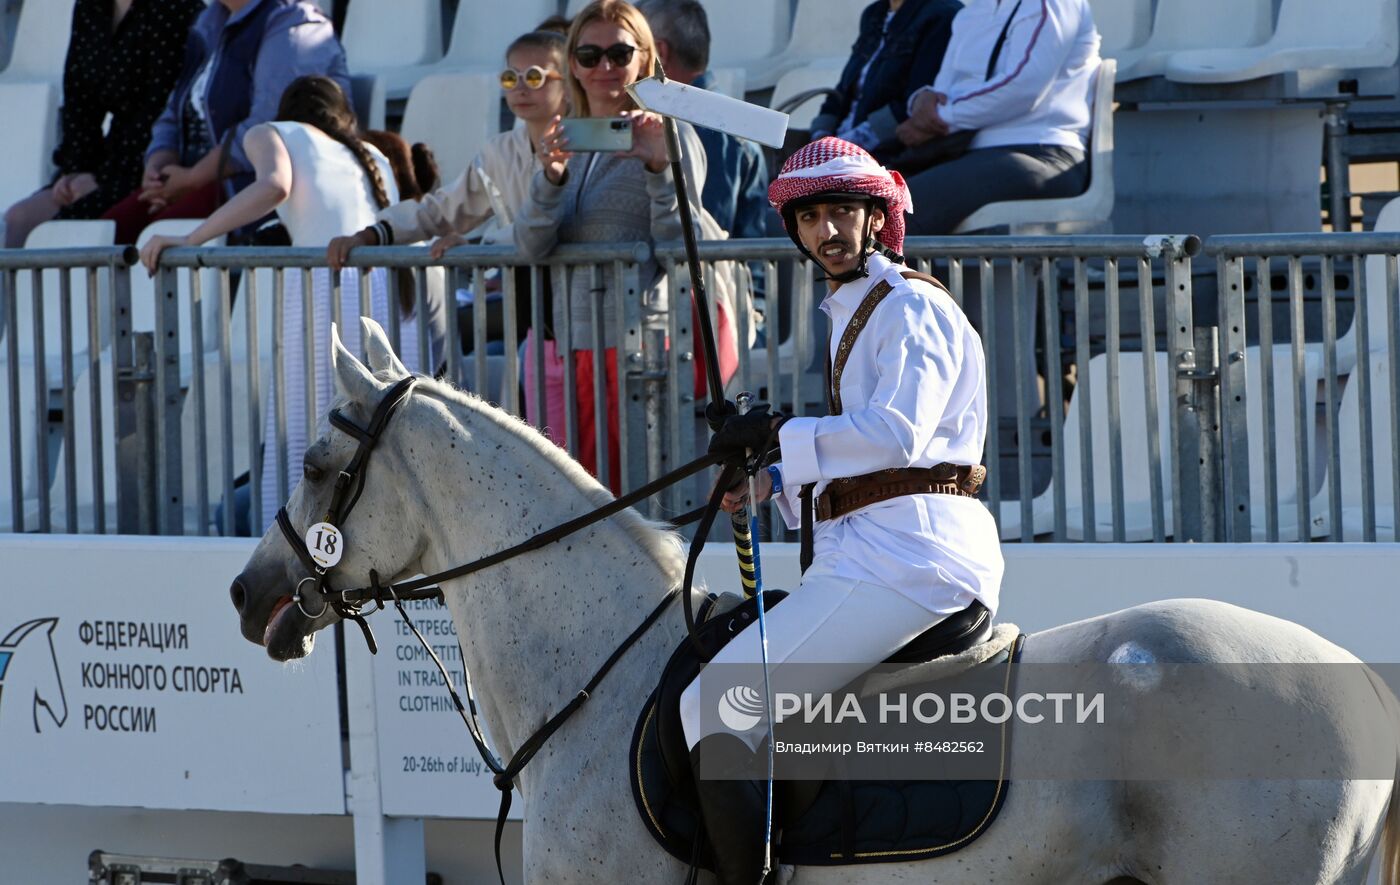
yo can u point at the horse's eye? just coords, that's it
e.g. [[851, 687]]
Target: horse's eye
[[311, 472]]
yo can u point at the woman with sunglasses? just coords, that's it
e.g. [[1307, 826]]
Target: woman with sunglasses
[[624, 196], [491, 190]]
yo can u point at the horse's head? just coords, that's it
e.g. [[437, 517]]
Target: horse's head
[[263, 592]]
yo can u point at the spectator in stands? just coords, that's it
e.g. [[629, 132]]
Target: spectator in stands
[[241, 57], [415, 166], [484, 199], [491, 190], [601, 198], [1021, 75], [736, 175], [321, 177], [123, 58], [899, 49]]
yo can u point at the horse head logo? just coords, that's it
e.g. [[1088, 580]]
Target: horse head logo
[[38, 666]]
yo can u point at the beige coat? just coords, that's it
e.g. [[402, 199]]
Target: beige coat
[[483, 199]]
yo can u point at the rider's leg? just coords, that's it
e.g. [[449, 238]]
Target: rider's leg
[[846, 626]]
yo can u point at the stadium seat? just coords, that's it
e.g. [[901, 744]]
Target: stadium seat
[[83, 394], [378, 35], [1122, 24], [59, 235], [1137, 499], [30, 112], [1347, 34], [1066, 214], [453, 114], [482, 31], [824, 74], [822, 34], [480, 34], [41, 42], [1182, 25], [1133, 445], [1375, 284], [729, 81], [743, 33], [240, 422], [1286, 451], [1382, 477], [143, 293]]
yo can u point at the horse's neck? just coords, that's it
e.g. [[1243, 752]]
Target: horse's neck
[[535, 628]]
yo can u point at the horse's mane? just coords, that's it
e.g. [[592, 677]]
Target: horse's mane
[[656, 538]]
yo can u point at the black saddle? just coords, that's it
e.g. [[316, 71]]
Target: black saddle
[[822, 822]]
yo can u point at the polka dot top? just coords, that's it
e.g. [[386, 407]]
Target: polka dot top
[[128, 73]]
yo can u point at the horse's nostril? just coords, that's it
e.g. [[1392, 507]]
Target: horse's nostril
[[238, 594]]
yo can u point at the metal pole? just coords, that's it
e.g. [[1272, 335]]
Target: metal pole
[[1206, 392], [170, 510], [1234, 433], [1338, 168]]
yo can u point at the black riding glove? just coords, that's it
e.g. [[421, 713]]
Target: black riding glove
[[717, 412], [753, 431]]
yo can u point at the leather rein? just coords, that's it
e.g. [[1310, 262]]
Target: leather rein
[[351, 604]]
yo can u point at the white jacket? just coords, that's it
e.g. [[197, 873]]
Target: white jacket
[[1041, 90]]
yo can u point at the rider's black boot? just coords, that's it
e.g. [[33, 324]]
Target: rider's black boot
[[732, 806]]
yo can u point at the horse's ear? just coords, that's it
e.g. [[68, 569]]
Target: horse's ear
[[352, 379], [379, 350]]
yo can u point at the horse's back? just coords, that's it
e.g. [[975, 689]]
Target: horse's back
[[1182, 631], [1299, 826]]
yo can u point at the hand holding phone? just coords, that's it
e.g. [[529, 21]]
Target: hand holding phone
[[598, 134], [553, 151], [649, 140]]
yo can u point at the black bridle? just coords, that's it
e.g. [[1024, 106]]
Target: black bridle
[[349, 484], [351, 603]]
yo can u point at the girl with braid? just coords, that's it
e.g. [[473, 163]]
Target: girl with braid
[[321, 177]]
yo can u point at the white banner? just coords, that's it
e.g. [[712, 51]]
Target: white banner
[[124, 681], [428, 765]]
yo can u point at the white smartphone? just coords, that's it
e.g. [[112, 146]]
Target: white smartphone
[[598, 134]]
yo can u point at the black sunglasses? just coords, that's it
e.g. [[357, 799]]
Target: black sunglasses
[[620, 54]]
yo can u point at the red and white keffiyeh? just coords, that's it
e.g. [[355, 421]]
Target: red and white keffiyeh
[[831, 165]]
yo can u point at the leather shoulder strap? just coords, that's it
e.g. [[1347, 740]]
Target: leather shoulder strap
[[933, 281], [867, 307]]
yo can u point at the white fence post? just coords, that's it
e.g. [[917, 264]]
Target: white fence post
[[388, 850]]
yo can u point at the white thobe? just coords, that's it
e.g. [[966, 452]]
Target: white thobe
[[914, 394]]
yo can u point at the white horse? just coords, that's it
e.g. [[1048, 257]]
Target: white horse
[[454, 479]]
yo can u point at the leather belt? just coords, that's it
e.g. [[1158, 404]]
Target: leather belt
[[847, 495]]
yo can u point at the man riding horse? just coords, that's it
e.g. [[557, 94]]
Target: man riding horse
[[900, 542]]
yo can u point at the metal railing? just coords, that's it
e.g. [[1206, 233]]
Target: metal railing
[[1112, 416], [1323, 476], [1045, 264], [56, 353]]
